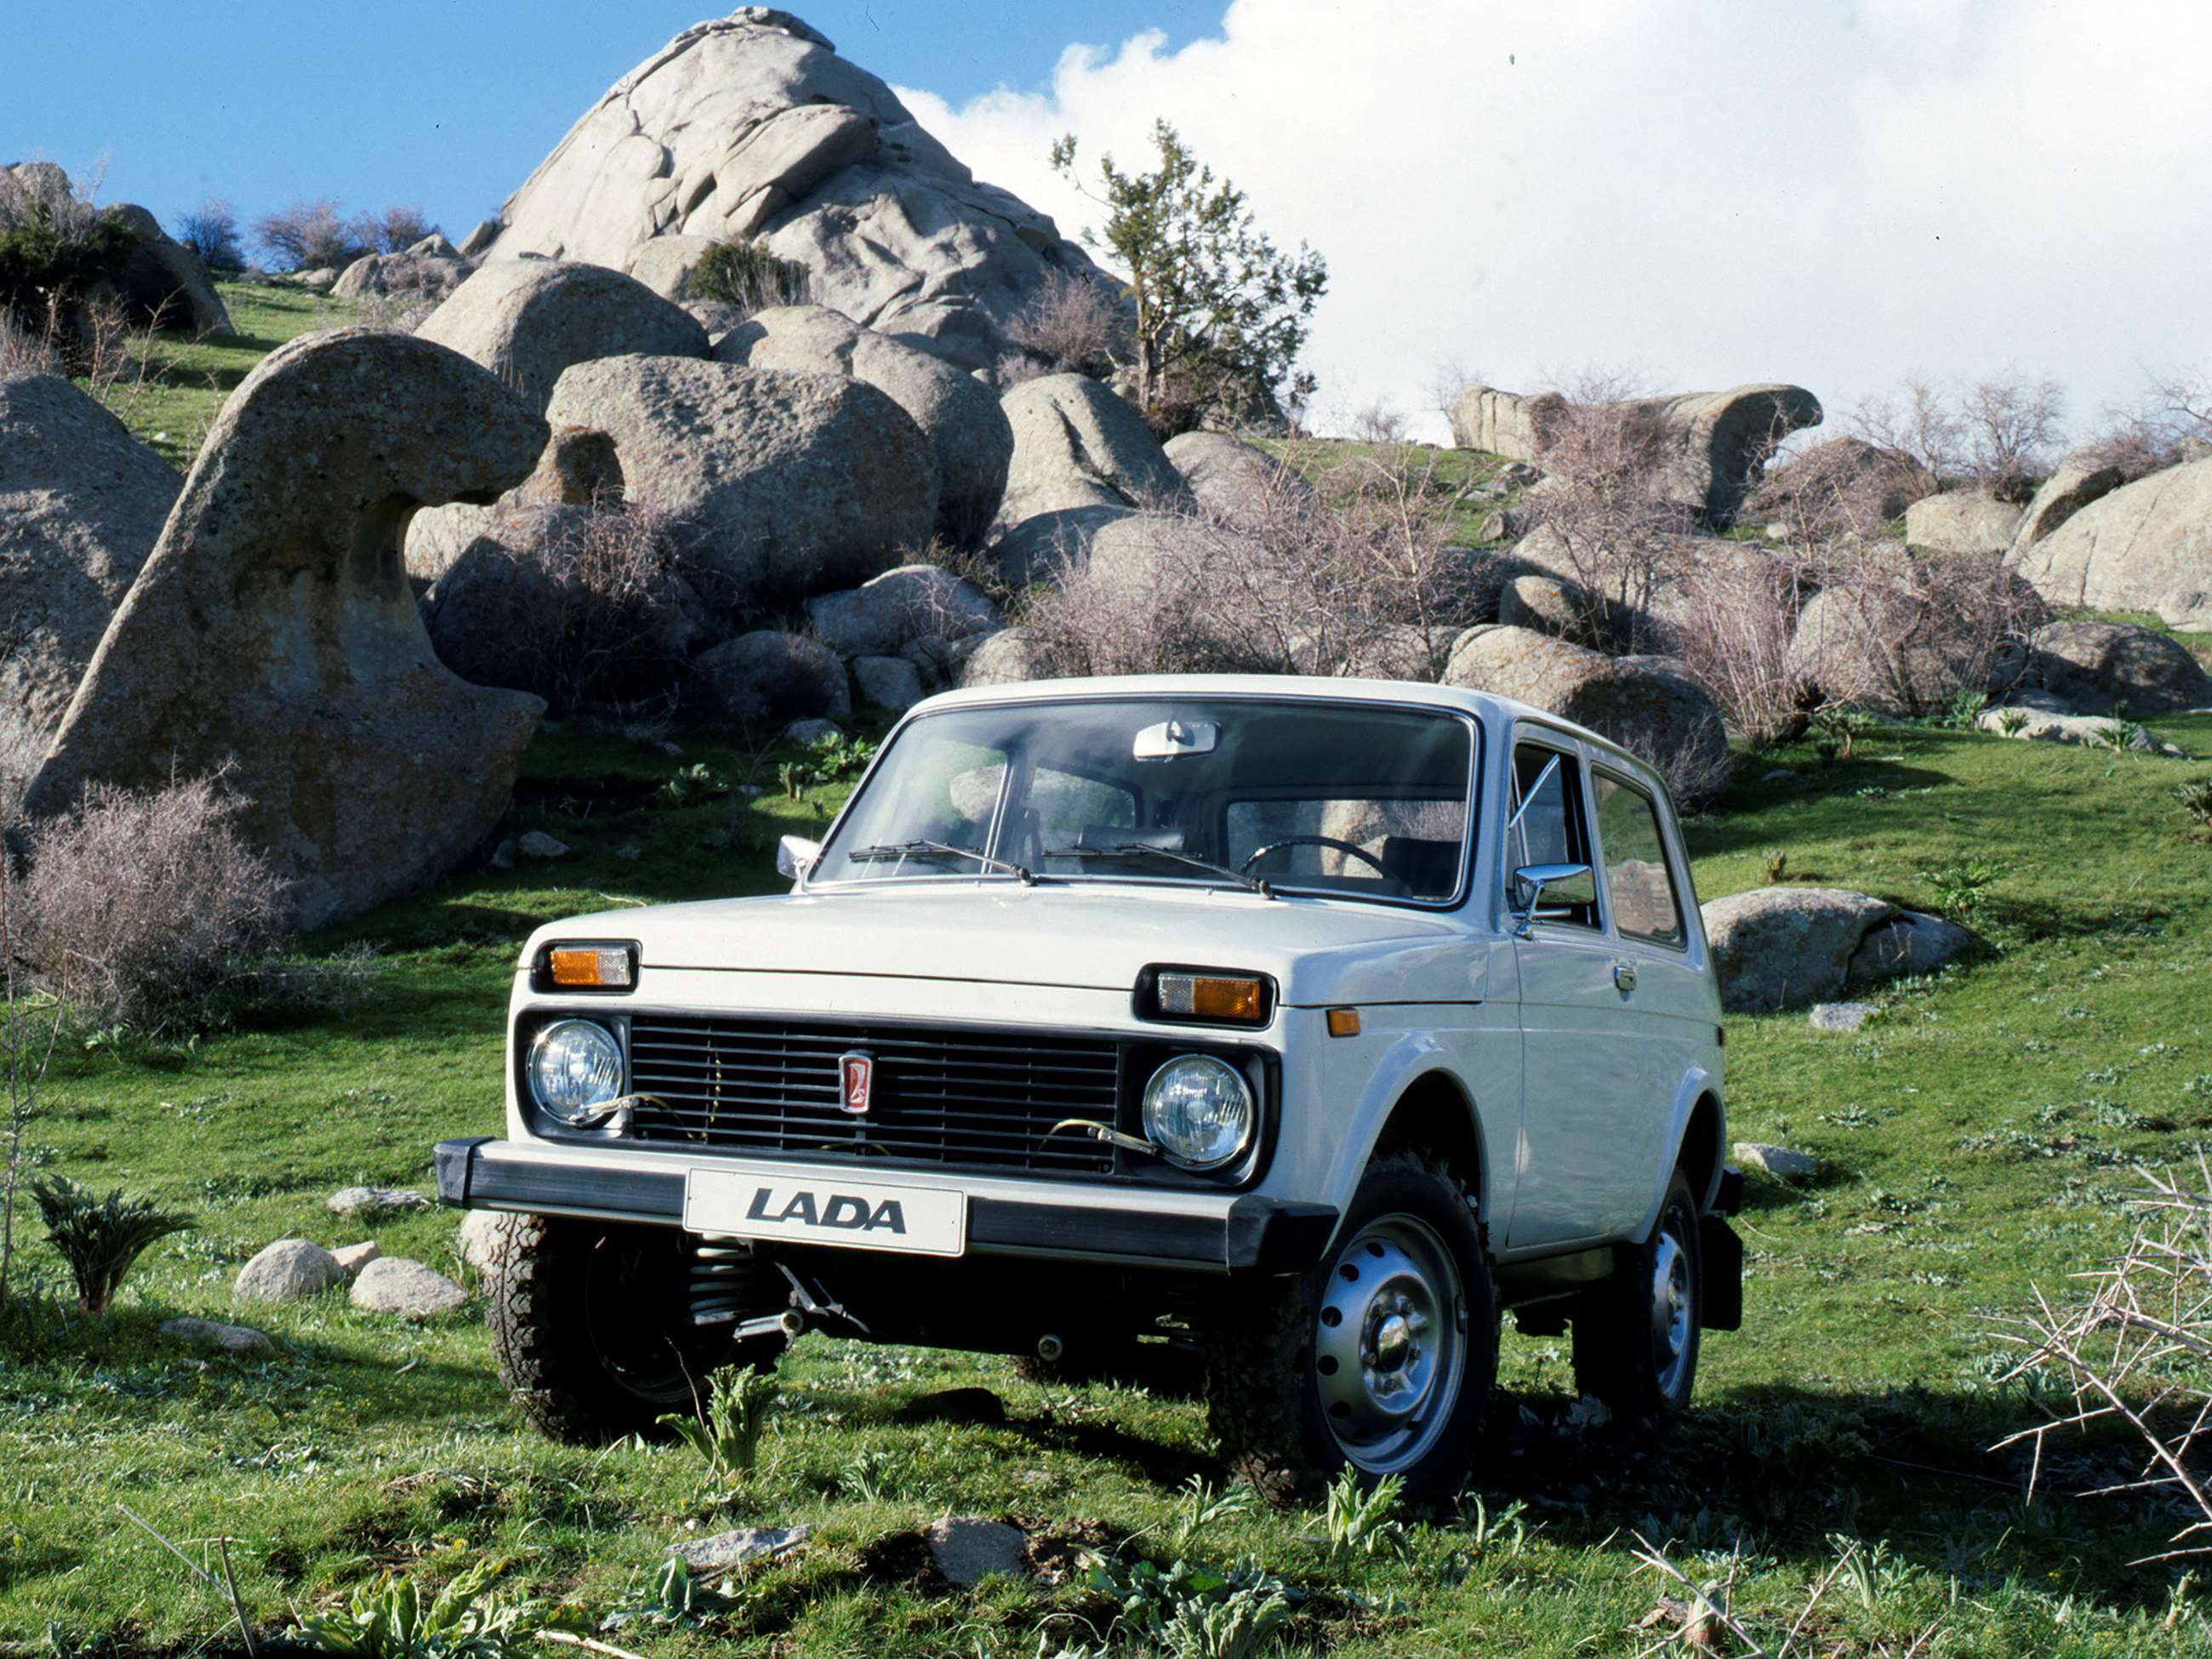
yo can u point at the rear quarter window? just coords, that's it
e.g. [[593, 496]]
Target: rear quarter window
[[1645, 904]]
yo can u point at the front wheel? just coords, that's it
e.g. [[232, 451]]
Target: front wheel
[[590, 1325], [1380, 1359], [1637, 1334]]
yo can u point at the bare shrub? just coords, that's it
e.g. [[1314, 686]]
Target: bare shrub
[[2173, 422], [1999, 432], [1283, 584], [1605, 499], [96, 344], [210, 230], [1071, 324], [1917, 419], [2130, 1354], [1733, 636], [309, 235], [151, 908], [29, 350], [592, 612], [394, 230], [1904, 634], [2014, 430]]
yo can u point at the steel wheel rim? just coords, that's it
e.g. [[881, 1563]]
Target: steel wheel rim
[[1390, 1344], [1674, 1309]]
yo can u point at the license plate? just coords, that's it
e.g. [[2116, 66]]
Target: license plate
[[811, 1210]]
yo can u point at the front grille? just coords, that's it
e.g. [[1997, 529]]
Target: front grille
[[942, 1095]]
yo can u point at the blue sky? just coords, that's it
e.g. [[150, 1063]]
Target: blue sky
[[1698, 193], [446, 103]]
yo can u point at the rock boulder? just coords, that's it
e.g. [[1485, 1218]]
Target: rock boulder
[[528, 320], [958, 413], [166, 284], [1711, 446], [82, 502], [752, 127], [2081, 476], [2092, 665], [766, 677], [915, 601], [1229, 476], [1648, 705], [2147, 546], [1961, 521], [1082, 458], [1786, 947], [272, 630], [780, 485]]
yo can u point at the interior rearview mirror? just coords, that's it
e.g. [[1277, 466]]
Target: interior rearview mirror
[[1568, 884], [1172, 737], [795, 856]]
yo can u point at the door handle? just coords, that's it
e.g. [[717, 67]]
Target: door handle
[[1624, 977]]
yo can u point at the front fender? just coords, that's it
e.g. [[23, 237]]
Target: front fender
[[1697, 1083], [1392, 1064]]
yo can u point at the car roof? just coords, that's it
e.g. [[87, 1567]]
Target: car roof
[[1492, 710]]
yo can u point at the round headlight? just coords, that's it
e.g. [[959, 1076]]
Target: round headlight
[[575, 1068], [1198, 1111]]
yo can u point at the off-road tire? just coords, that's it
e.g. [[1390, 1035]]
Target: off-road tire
[[538, 1282], [1262, 1402], [1616, 1358]]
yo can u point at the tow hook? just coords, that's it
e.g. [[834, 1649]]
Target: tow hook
[[809, 1311]]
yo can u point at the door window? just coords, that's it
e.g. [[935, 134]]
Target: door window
[[1549, 829], [1637, 878]]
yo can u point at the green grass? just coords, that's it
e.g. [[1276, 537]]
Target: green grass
[[188, 379], [1976, 1140]]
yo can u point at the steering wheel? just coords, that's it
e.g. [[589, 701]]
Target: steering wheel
[[1358, 852]]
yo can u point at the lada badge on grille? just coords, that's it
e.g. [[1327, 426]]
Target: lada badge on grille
[[856, 1079]]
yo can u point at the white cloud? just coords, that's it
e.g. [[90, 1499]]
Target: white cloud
[[1833, 192]]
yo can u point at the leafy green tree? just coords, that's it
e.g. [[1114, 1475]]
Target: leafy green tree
[[1221, 313]]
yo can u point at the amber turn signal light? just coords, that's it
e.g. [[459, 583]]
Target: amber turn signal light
[[1200, 996], [1344, 1022], [591, 967], [1205, 996]]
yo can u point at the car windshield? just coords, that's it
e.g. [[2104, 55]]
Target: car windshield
[[1363, 800]]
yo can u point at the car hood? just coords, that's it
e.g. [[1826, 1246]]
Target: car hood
[[1319, 950]]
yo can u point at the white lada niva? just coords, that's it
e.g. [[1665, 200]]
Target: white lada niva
[[1299, 1026]]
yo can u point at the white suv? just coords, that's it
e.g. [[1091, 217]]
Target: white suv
[[1300, 1024]]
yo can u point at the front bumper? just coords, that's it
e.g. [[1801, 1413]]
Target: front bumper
[[1183, 1232]]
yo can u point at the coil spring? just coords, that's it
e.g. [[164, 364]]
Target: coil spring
[[725, 1280]]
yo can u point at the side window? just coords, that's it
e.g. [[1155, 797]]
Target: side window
[[1547, 799], [1645, 903]]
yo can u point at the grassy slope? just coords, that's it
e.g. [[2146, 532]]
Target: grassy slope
[[1865, 1364], [188, 379]]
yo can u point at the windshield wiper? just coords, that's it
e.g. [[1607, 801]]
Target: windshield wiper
[[900, 849], [1131, 849]]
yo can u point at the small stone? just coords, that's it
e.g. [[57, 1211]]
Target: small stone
[[502, 856], [394, 1285], [354, 1257], [673, 750], [539, 845], [969, 1549], [812, 730], [479, 1232], [1839, 1016], [286, 1271], [376, 1200], [206, 1333], [1780, 1162], [629, 855], [730, 1549]]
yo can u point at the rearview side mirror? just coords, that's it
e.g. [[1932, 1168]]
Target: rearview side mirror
[[1530, 881], [795, 855]]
